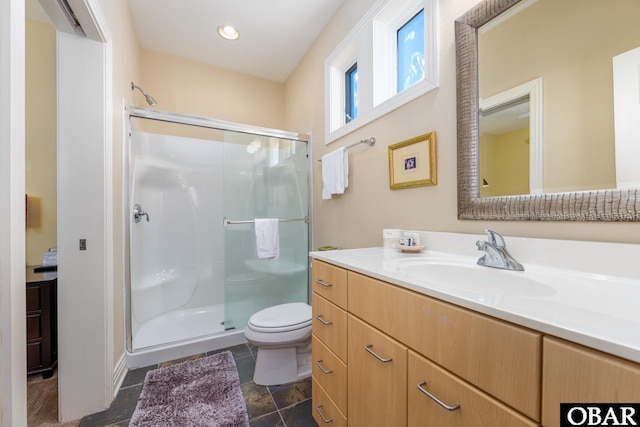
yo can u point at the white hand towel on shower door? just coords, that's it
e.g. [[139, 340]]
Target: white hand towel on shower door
[[267, 238], [335, 172]]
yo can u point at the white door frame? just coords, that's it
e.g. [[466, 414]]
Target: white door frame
[[13, 352]]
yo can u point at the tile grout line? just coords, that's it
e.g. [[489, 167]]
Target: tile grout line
[[276, 405]]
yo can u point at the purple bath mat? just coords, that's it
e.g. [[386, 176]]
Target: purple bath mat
[[198, 393]]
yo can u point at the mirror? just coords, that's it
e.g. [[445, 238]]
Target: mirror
[[593, 201]]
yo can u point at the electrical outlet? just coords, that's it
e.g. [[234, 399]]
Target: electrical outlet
[[83, 244]]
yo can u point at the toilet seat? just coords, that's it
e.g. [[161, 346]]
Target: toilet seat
[[281, 318]]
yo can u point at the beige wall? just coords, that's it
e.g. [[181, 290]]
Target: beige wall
[[504, 163], [40, 139], [356, 218], [189, 87]]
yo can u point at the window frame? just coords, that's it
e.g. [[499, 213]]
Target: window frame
[[372, 44]]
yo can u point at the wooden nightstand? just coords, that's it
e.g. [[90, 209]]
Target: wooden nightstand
[[42, 321]]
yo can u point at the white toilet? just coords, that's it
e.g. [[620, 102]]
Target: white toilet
[[282, 334]]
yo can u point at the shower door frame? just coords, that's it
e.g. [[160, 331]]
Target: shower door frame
[[184, 119]]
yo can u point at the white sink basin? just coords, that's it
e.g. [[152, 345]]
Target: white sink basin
[[470, 277]]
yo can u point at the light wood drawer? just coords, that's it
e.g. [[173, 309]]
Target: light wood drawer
[[330, 325], [330, 372], [377, 387], [379, 303], [497, 357], [573, 373], [476, 408], [323, 406], [330, 282]]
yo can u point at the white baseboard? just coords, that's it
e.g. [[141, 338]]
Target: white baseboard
[[119, 372]]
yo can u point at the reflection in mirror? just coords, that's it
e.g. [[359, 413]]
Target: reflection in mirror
[[504, 148], [573, 54], [580, 178], [515, 109]]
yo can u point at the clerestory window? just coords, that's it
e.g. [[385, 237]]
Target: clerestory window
[[389, 58], [410, 42]]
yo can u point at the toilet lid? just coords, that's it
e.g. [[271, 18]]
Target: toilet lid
[[281, 318]]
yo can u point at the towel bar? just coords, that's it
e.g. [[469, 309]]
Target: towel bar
[[226, 221], [371, 141]]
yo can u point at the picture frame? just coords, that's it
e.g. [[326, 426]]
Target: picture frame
[[412, 163]]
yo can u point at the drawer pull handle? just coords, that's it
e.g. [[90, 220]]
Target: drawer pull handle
[[319, 317], [383, 360], [435, 399], [323, 283], [322, 368], [325, 419]]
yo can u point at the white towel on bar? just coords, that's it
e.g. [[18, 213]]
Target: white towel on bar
[[267, 238], [335, 172]]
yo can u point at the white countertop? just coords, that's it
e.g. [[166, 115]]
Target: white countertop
[[597, 310]]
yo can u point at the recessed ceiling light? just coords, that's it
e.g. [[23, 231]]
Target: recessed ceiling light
[[228, 32]]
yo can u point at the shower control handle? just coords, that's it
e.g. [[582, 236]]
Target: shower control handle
[[138, 213]]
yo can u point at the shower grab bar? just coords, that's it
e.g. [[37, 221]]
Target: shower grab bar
[[371, 141], [226, 221]]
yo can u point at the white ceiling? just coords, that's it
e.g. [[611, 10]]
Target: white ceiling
[[274, 34]]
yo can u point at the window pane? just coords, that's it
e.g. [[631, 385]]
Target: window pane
[[411, 52], [351, 93]]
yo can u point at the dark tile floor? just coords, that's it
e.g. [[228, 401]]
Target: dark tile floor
[[287, 405]]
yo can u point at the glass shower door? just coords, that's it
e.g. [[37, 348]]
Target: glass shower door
[[176, 240], [264, 177]]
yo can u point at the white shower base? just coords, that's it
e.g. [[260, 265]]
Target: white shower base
[[181, 334], [179, 325]]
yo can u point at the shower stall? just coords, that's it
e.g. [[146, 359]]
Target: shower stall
[[194, 188]]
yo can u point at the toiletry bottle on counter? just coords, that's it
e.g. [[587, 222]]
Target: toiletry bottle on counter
[[391, 238]]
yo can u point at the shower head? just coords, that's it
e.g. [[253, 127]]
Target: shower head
[[148, 97]]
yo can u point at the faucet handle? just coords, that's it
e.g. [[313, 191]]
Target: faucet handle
[[495, 239]]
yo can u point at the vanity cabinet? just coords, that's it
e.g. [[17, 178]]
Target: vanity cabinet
[[329, 344], [573, 373], [377, 377], [410, 359], [502, 359]]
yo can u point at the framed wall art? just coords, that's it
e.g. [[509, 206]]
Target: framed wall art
[[412, 163]]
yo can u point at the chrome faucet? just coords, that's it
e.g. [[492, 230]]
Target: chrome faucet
[[496, 253], [138, 213]]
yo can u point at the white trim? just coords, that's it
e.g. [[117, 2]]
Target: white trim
[[119, 373], [108, 217], [514, 10], [13, 404], [91, 19], [534, 90], [626, 108], [385, 53]]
